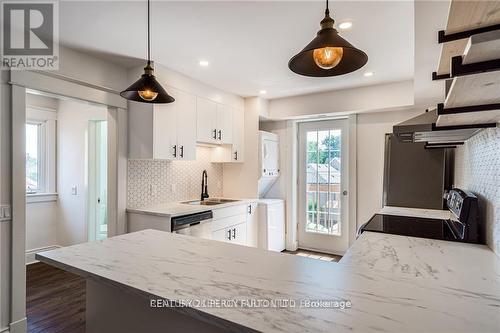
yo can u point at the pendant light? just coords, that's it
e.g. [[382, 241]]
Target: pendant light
[[147, 89], [328, 54]]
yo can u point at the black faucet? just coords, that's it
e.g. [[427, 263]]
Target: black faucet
[[204, 185]]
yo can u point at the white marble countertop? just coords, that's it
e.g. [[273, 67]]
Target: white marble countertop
[[171, 209], [416, 212], [174, 267], [422, 258]]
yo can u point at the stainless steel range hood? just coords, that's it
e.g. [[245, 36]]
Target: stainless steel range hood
[[422, 128]]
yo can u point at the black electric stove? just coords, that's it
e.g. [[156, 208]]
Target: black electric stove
[[464, 225]]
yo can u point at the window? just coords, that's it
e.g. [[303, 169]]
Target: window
[[35, 159]]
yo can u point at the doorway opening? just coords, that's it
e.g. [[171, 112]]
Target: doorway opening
[[97, 220]]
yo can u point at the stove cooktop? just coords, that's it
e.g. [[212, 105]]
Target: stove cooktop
[[410, 226]]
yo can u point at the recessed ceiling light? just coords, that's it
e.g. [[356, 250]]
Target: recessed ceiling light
[[368, 74], [345, 25], [262, 92], [204, 63]]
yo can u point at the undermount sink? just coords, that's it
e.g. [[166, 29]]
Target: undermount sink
[[209, 202]]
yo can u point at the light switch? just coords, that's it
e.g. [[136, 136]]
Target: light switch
[[74, 190]]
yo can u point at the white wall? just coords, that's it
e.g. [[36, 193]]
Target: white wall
[[371, 129], [339, 102], [72, 164]]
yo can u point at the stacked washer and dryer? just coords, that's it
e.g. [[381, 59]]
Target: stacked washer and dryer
[[271, 212]]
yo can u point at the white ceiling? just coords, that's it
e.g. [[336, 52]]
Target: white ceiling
[[248, 44]]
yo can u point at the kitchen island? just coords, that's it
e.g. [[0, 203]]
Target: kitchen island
[[128, 274]]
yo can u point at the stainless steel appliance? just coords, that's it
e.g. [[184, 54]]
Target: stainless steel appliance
[[464, 224], [414, 176], [197, 224]]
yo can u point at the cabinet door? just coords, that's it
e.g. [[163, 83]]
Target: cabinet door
[[206, 115], [186, 125], [224, 124], [165, 131], [252, 225], [239, 234], [238, 147], [222, 235]]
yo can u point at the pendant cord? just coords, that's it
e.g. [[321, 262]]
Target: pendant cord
[[149, 32], [327, 11]]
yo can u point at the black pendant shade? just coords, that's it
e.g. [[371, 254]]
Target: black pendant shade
[[147, 89], [147, 83], [351, 58]]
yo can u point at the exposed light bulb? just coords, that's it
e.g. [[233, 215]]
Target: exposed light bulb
[[328, 57], [148, 95], [345, 25]]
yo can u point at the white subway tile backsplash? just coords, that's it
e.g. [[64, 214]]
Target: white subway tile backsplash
[[477, 169], [158, 181]]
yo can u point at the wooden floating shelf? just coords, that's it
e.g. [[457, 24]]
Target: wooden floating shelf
[[463, 16], [474, 99]]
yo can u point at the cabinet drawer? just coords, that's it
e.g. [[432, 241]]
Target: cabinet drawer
[[229, 211], [226, 222]]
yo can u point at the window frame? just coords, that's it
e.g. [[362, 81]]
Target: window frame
[[41, 156]]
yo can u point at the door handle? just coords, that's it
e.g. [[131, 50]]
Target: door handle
[[98, 200], [175, 150], [236, 155], [344, 192], [220, 134], [182, 152], [229, 234], [215, 134]]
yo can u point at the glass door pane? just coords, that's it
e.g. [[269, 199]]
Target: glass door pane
[[323, 149]]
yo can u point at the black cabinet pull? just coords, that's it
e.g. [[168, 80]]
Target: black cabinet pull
[[249, 209], [229, 234], [175, 150], [182, 152], [236, 155], [234, 233], [215, 134], [220, 134]]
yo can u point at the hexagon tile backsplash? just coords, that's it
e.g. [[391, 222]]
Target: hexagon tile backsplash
[[477, 169], [151, 182]]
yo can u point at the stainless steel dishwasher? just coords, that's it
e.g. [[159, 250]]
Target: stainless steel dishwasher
[[196, 225]]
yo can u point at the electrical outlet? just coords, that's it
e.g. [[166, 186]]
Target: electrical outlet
[[5, 212]]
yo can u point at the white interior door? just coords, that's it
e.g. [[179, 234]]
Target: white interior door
[[323, 156]]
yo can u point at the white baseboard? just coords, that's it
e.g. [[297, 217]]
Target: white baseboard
[[19, 326], [4, 330], [30, 254]]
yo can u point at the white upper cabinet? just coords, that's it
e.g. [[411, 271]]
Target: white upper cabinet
[[206, 113], [224, 124], [164, 131], [215, 122], [238, 147]]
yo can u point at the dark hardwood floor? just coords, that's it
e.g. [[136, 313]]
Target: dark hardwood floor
[[55, 300]]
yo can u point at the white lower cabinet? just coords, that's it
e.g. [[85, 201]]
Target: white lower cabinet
[[236, 234]]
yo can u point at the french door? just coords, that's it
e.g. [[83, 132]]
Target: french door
[[322, 170]]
